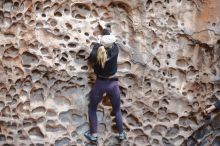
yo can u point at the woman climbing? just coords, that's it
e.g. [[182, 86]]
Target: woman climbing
[[103, 58]]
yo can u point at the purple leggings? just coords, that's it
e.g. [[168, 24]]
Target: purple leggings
[[112, 89]]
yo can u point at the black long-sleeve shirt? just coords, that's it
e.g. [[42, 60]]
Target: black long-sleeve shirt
[[110, 67], [217, 105]]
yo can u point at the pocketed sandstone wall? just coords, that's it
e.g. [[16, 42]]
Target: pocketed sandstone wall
[[169, 70]]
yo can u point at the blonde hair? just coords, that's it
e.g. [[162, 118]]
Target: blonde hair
[[101, 56]]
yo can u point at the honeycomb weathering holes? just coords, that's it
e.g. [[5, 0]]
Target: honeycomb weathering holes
[[168, 70]]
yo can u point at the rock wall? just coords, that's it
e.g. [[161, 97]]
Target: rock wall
[[169, 70]]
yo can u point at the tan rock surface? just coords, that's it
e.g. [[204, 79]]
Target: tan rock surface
[[169, 70]]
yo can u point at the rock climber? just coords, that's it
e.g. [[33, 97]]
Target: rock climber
[[103, 59]]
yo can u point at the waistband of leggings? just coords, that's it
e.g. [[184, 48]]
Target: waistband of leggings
[[107, 79]]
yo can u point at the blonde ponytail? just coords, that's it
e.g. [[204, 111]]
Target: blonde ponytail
[[101, 56]]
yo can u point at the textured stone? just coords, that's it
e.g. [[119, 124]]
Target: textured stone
[[168, 70]]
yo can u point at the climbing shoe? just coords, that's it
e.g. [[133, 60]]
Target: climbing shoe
[[122, 136], [90, 137]]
